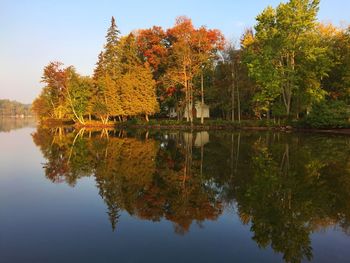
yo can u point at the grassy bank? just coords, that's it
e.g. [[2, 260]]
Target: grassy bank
[[208, 125], [165, 124], [217, 124]]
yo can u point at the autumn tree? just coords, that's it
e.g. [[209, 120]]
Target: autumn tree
[[138, 94], [189, 51], [66, 94], [153, 49], [209, 42], [42, 106], [78, 94], [152, 45], [337, 82], [107, 101], [54, 78]]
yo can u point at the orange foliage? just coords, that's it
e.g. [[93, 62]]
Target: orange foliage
[[150, 43]]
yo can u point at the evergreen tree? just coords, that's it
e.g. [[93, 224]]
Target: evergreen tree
[[99, 71], [138, 89], [107, 75], [111, 52]]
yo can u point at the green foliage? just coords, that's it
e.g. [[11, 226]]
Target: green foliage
[[331, 114], [285, 56], [79, 93]]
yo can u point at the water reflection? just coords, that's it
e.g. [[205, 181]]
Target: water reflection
[[8, 123], [284, 186]]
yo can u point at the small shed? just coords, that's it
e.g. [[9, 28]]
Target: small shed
[[199, 110]]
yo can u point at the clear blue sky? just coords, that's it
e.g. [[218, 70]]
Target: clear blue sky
[[32, 33]]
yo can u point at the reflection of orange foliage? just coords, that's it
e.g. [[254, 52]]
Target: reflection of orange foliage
[[133, 175], [54, 145], [177, 205], [177, 197], [245, 218], [318, 224], [132, 159], [194, 210]]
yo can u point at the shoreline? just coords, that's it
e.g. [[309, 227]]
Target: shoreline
[[196, 127], [345, 131]]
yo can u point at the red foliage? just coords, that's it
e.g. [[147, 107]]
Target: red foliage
[[151, 43]]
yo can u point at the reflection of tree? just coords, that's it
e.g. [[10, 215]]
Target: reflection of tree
[[9, 123], [67, 154], [284, 186], [176, 191], [288, 196], [124, 168], [132, 174], [276, 219], [193, 200]]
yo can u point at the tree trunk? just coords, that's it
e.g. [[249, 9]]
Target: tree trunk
[[238, 147], [186, 96], [191, 102], [202, 155], [231, 158], [238, 101], [146, 117], [202, 97], [233, 96]]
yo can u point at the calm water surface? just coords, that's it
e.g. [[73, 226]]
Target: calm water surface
[[138, 196]]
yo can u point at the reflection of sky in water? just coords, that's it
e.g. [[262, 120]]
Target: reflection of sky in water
[[45, 222]]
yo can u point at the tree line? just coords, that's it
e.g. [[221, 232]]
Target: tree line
[[9, 108], [289, 66]]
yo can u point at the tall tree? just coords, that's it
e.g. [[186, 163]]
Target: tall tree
[[153, 48], [337, 82], [209, 42], [111, 50], [281, 54], [54, 77], [182, 66], [138, 89], [106, 76], [78, 94], [189, 50]]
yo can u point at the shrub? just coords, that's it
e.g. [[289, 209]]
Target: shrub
[[333, 114]]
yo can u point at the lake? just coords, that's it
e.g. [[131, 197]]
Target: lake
[[171, 196]]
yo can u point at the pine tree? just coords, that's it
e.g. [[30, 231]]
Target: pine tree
[[99, 71], [106, 75], [111, 53]]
